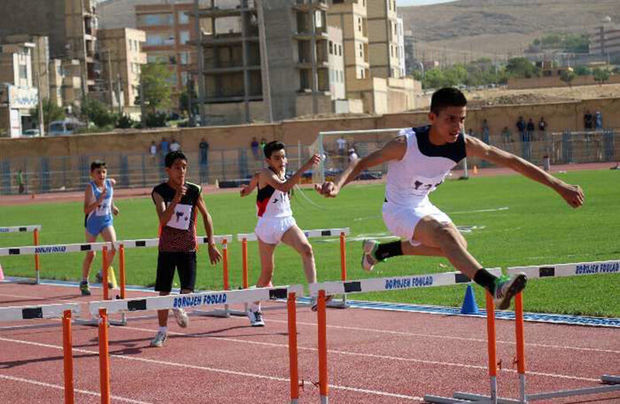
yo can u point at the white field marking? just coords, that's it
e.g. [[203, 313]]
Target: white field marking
[[469, 229], [210, 369], [375, 356], [359, 219], [479, 211], [57, 387]]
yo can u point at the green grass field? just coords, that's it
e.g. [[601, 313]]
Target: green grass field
[[512, 221]]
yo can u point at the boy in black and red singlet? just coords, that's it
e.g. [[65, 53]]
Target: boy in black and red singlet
[[275, 218], [176, 202]]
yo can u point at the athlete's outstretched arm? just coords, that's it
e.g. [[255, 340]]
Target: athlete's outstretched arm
[[247, 189], [269, 177], [214, 254], [393, 150], [572, 194]]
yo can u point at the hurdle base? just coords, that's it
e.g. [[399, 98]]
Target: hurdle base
[[226, 312], [338, 304], [612, 383], [460, 397]]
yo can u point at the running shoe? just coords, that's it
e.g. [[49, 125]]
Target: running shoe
[[84, 289], [256, 318], [315, 302], [159, 339], [506, 288], [369, 247], [181, 316], [99, 279]]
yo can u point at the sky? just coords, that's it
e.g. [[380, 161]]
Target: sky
[[402, 3]]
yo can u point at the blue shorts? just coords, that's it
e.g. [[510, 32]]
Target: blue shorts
[[94, 226]]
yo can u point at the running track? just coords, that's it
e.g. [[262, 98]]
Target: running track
[[374, 357]]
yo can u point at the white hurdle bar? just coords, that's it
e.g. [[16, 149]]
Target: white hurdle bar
[[341, 232], [196, 300], [51, 311], [551, 271], [323, 289], [34, 229]]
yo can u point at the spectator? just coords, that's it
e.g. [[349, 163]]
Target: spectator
[[153, 149], [542, 125], [175, 146], [262, 144], [587, 121], [20, 181], [530, 129], [521, 128], [204, 151], [254, 146], [485, 131], [353, 155], [164, 146], [598, 120], [342, 145]]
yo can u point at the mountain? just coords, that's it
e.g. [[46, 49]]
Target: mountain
[[469, 29]]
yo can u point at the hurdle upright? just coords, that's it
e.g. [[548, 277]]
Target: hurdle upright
[[197, 300], [323, 289], [34, 229], [51, 311], [341, 232]]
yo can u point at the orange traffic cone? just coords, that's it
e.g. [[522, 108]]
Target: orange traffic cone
[[1, 273], [475, 170]]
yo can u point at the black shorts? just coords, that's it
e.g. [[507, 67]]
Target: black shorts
[[184, 262]]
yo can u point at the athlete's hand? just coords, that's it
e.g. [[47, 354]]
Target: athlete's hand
[[181, 191], [572, 194], [314, 160], [115, 210], [214, 254], [328, 189], [245, 190]]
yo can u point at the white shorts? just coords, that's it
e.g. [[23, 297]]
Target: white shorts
[[270, 230], [401, 221]]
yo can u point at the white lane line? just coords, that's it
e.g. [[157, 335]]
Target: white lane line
[[58, 387], [375, 356], [480, 210], [210, 369], [449, 337]]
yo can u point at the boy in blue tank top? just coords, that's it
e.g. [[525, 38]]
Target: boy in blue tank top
[[99, 209]]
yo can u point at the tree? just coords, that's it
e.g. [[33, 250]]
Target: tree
[[567, 76], [51, 113], [583, 71], [521, 67], [97, 112], [600, 75], [155, 78]]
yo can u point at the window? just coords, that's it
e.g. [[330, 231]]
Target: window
[[155, 19], [183, 18], [361, 50], [359, 24], [184, 58], [23, 72], [184, 37]]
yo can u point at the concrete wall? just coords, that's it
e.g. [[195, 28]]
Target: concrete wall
[[559, 116], [554, 81]]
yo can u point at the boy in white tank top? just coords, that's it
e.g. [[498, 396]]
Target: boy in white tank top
[[418, 161], [275, 218]]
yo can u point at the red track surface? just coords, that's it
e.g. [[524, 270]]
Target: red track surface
[[374, 357]]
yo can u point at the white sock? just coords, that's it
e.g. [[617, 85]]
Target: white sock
[[163, 329], [255, 307]]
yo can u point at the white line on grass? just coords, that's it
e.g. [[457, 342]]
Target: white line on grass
[[58, 387], [210, 369]]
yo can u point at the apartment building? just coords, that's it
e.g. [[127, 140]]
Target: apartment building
[[168, 34], [121, 54], [383, 39], [605, 40]]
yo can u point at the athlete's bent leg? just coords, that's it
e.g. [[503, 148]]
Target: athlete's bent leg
[[295, 238], [88, 260]]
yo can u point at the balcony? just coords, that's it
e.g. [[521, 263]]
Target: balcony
[[307, 5]]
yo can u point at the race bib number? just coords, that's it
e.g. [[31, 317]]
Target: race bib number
[[103, 209], [422, 186], [181, 217]]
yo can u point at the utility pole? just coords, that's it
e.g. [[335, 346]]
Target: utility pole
[[264, 60], [201, 62], [315, 77]]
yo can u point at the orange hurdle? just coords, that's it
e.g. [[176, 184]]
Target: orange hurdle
[[67, 349], [104, 357]]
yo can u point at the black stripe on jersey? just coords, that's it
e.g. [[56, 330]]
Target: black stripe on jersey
[[453, 151]]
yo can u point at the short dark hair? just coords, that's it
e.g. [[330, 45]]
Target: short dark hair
[[172, 156], [97, 164], [272, 146], [447, 97]]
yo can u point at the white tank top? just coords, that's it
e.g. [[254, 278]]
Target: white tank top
[[272, 203], [423, 167]]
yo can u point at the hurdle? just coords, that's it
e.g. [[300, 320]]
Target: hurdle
[[51, 311], [321, 290], [315, 233], [35, 229], [195, 300], [558, 270]]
